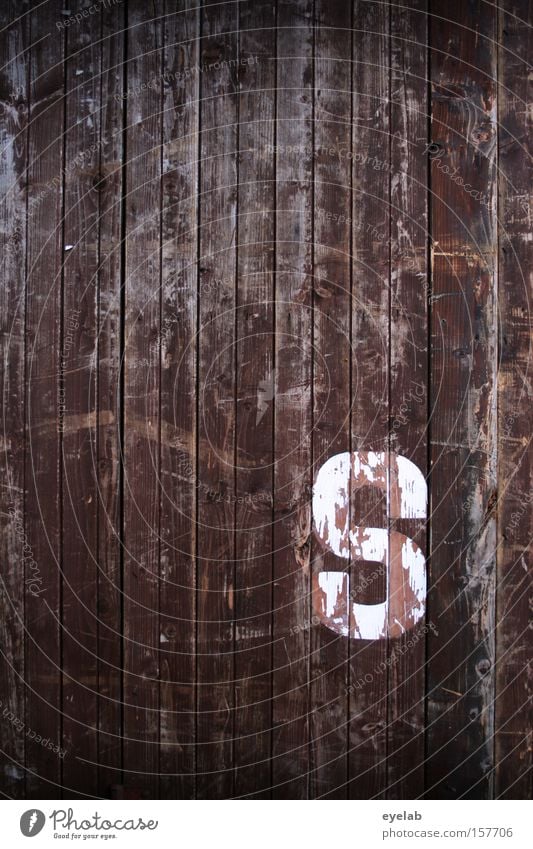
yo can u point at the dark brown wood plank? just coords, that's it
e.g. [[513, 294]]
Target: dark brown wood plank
[[141, 403], [256, 378], [409, 367], [44, 413], [463, 403], [370, 376], [514, 601], [293, 398], [331, 363], [109, 402], [15, 557], [78, 374], [216, 399], [177, 593]]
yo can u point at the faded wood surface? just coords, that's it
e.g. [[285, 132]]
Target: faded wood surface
[[79, 374], [408, 402], [254, 412], [241, 240], [331, 362], [14, 96], [514, 683], [216, 399], [110, 401], [141, 426], [463, 363], [367, 710], [292, 400], [45, 412], [177, 590]]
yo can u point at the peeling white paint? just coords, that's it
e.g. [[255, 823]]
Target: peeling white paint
[[413, 489], [370, 620], [337, 477], [331, 584]]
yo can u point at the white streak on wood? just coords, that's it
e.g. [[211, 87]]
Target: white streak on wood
[[413, 489], [331, 514], [414, 562], [331, 583], [370, 621]]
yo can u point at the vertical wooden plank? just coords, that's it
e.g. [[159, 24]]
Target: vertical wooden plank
[[78, 376], [216, 399], [181, 85], [255, 376], [331, 362], [514, 602], [44, 400], [293, 398], [463, 402], [109, 403], [14, 553], [367, 685], [142, 403], [408, 371]]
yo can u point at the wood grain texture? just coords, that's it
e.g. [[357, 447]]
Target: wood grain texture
[[13, 235], [44, 419], [367, 743], [110, 401], [408, 404], [513, 718], [331, 361], [239, 238], [293, 399], [256, 379], [463, 403], [177, 596], [78, 371], [141, 517], [216, 399]]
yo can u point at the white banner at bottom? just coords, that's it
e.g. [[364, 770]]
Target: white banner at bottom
[[267, 825]]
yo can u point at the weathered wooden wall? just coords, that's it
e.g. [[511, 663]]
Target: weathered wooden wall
[[238, 238]]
